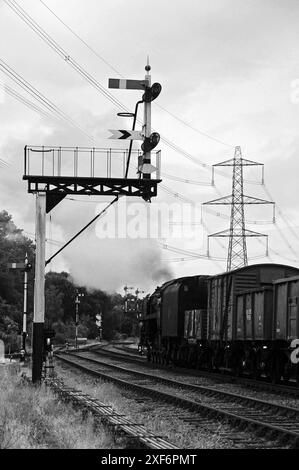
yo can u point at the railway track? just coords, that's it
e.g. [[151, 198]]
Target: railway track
[[134, 433], [262, 385], [276, 423]]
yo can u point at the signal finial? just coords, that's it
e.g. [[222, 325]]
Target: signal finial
[[147, 67]]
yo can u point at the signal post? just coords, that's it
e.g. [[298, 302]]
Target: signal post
[[150, 140], [39, 288], [26, 266], [147, 123]]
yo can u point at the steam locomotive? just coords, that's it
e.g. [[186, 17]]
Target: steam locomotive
[[244, 321]]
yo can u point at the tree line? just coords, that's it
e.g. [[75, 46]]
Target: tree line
[[60, 294]]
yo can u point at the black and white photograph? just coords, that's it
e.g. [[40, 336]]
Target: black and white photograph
[[149, 229]]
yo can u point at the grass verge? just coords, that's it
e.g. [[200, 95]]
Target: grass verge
[[33, 418]]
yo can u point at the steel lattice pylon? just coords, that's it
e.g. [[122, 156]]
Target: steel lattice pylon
[[237, 233], [237, 249]]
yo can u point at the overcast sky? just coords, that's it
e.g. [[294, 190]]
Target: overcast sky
[[228, 68]]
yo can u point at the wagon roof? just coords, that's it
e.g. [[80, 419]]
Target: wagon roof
[[286, 279], [245, 268]]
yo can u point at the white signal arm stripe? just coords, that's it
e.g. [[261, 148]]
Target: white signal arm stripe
[[122, 83]]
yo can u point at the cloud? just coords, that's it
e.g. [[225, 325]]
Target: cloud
[[225, 66], [107, 264], [110, 264]]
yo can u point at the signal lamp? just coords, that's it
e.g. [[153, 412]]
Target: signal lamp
[[151, 93], [150, 142]]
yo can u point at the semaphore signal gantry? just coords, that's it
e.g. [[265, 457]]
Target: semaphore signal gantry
[[52, 173]]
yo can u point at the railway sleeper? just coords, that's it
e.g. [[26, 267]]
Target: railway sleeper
[[239, 421]]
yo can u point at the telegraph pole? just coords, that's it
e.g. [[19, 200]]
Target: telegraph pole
[[39, 289], [126, 288], [137, 292], [99, 325], [138, 310], [24, 334], [77, 302], [131, 305]]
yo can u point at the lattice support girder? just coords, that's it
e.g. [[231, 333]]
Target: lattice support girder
[[227, 201], [62, 186]]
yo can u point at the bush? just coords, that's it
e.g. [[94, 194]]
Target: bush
[[59, 338]]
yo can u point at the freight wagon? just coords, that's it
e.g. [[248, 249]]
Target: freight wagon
[[267, 323], [242, 320]]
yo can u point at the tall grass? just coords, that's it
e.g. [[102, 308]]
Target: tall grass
[[33, 418]]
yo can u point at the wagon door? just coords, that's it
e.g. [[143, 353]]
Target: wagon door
[[292, 321]]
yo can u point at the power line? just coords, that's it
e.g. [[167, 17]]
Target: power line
[[205, 134], [92, 81], [4, 164], [89, 78], [178, 260], [14, 94], [285, 240], [55, 46], [177, 250], [293, 260], [66, 57], [185, 180], [281, 214], [48, 240], [248, 221], [182, 121], [59, 50], [42, 99], [176, 194], [179, 119], [192, 254], [190, 201], [82, 40]]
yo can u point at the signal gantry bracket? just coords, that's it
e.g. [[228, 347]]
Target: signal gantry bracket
[[62, 171]]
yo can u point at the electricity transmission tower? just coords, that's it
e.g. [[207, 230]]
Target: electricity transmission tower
[[237, 233]]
